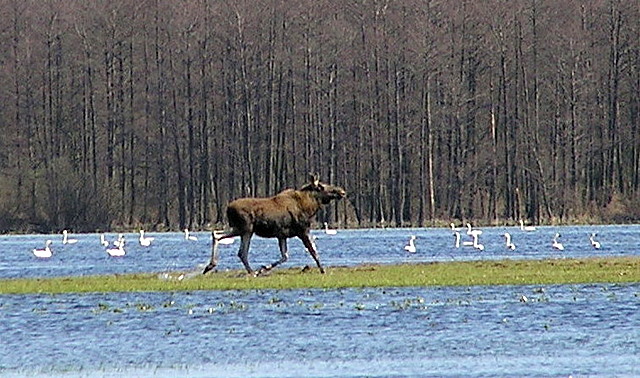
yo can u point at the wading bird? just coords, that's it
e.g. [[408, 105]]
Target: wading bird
[[117, 251], [471, 231], [65, 238], [103, 241], [464, 243], [476, 242], [223, 241], [44, 252], [188, 236], [145, 241], [526, 228], [556, 244], [594, 243], [411, 247], [120, 241], [508, 243], [329, 231]]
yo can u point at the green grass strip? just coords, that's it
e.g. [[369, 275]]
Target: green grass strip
[[469, 273]]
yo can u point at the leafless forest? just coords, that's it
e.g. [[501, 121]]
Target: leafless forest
[[157, 112]]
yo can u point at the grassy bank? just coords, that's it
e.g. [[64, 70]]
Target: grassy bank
[[514, 272]]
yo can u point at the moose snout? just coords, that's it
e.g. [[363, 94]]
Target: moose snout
[[341, 193]]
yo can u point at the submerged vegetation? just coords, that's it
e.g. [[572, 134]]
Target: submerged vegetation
[[469, 273]]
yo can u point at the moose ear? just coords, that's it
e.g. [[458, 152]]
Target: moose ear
[[313, 178]]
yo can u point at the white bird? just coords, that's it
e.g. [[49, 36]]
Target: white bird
[[144, 241], [65, 238], [471, 231], [120, 241], [476, 243], [594, 243], [464, 243], [103, 241], [329, 231], [44, 252], [526, 228], [117, 251], [223, 241], [187, 236], [453, 227], [411, 247], [556, 244], [508, 242]]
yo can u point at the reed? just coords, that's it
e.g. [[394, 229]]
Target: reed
[[469, 273]]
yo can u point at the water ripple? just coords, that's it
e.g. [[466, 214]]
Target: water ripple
[[560, 330]]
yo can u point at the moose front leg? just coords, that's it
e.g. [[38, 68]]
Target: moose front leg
[[308, 243]]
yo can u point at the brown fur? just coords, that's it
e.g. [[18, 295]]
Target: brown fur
[[285, 215]]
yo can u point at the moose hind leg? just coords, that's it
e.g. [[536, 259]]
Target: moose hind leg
[[284, 256], [243, 252], [214, 257], [216, 237]]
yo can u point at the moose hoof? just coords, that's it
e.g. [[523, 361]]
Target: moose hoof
[[264, 270], [208, 268]]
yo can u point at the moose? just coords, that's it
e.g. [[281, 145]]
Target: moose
[[287, 214]]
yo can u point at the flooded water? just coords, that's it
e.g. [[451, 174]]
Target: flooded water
[[557, 330], [170, 251], [481, 331]]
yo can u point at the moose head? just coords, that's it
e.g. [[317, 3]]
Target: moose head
[[325, 193]]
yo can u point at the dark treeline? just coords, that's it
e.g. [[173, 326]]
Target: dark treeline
[[157, 113]]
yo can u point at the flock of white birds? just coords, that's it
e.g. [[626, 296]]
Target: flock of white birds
[[475, 239], [117, 249]]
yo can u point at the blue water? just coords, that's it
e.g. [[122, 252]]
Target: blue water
[[558, 330], [479, 331], [170, 251]]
